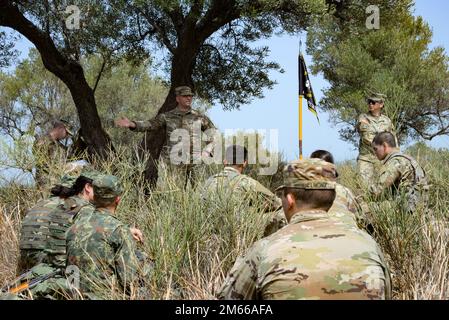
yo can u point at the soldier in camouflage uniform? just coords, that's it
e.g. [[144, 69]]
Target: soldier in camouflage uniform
[[182, 117], [49, 147], [346, 205], [43, 228], [315, 256], [101, 246], [400, 174], [368, 125], [42, 242], [232, 183]]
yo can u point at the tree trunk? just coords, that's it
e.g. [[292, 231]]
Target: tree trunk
[[69, 71]]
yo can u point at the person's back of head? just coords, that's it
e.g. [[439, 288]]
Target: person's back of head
[[107, 191], [311, 182], [323, 155], [385, 137], [236, 155]]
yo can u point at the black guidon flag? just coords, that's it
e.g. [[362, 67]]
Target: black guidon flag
[[305, 87]]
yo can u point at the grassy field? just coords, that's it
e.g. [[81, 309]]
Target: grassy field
[[193, 243]]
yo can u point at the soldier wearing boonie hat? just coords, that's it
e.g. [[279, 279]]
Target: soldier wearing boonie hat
[[368, 125], [315, 256]]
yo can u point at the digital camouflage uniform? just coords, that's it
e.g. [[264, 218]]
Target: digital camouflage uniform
[[231, 183], [401, 173], [315, 256], [368, 126], [101, 246]]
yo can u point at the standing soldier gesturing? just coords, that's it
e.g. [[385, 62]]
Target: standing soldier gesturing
[[182, 117]]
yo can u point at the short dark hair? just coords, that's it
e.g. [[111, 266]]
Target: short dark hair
[[386, 137], [236, 155], [316, 198], [101, 202], [323, 155], [61, 191]]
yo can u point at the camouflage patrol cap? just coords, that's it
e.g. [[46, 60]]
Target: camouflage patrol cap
[[309, 174], [67, 180], [376, 97], [183, 91], [107, 187], [91, 174]]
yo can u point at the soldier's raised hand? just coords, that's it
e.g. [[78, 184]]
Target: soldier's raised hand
[[124, 122]]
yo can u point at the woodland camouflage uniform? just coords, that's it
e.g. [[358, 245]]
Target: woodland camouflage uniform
[[43, 227], [101, 246], [43, 240], [314, 257]]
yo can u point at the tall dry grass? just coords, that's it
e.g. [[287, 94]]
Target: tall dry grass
[[193, 243]]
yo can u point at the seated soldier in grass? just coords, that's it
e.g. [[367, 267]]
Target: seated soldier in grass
[[42, 236], [400, 175], [101, 246], [231, 182], [345, 205], [315, 256]]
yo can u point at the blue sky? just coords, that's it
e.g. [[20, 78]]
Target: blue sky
[[279, 108]]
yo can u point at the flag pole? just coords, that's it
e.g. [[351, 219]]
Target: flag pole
[[300, 127], [300, 105]]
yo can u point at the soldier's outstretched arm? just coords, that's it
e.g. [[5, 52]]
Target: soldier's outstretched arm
[[140, 126]]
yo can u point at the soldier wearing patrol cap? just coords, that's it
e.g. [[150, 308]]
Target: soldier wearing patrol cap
[[368, 125], [100, 245], [315, 256], [182, 117]]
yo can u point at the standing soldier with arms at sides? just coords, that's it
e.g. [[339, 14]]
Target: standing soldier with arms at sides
[[368, 125], [46, 149], [182, 117], [315, 256], [399, 174]]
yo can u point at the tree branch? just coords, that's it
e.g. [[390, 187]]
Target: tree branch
[[99, 74], [157, 28]]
